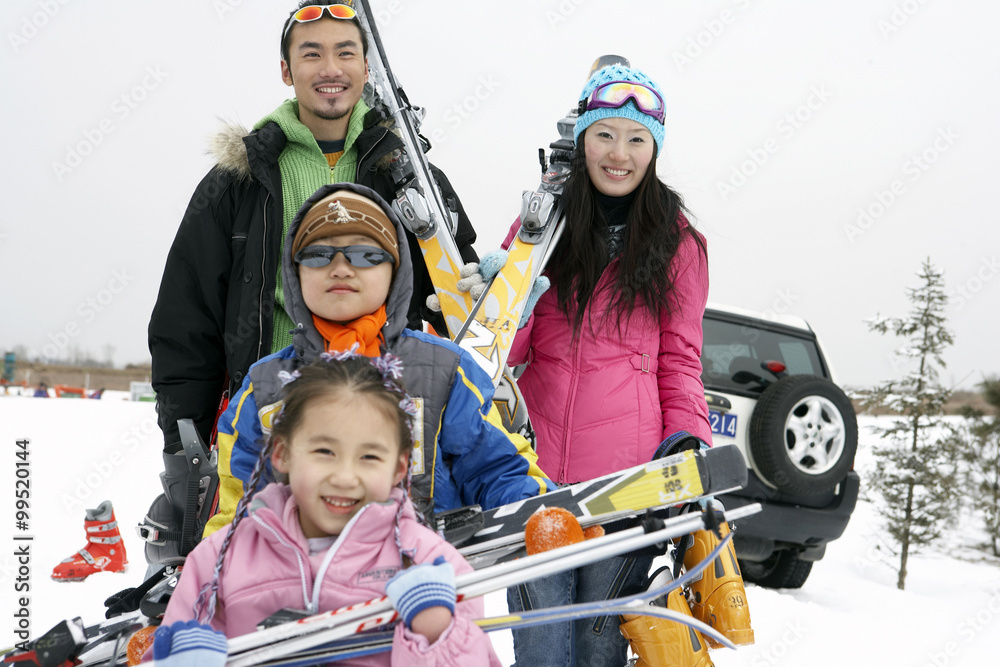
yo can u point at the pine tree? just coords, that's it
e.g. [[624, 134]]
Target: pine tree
[[978, 440], [917, 475]]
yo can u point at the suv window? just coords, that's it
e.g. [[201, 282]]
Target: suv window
[[733, 354]]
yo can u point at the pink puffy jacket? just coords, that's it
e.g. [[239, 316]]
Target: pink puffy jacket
[[268, 567], [604, 401]]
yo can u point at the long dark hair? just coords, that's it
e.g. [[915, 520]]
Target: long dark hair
[[653, 234]]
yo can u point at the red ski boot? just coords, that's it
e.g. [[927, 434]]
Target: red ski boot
[[104, 551]]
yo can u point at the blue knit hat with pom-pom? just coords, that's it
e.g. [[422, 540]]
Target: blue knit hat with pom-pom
[[628, 110]]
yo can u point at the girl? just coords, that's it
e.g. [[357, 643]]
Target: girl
[[612, 350], [339, 530]]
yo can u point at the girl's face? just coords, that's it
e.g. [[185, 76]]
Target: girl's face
[[340, 292], [618, 152], [344, 454]]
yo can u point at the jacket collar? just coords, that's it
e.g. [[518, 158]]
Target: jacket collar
[[276, 507]]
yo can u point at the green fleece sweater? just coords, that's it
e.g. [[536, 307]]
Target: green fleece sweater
[[304, 170]]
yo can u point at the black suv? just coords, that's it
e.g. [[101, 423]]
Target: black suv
[[771, 394]]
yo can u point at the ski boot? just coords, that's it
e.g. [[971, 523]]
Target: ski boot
[[177, 517], [104, 551], [659, 641], [718, 597]]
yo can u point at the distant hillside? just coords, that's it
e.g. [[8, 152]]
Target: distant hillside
[[90, 377]]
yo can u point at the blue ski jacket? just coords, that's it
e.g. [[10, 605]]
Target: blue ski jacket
[[462, 455]]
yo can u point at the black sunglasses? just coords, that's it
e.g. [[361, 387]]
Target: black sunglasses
[[359, 256]]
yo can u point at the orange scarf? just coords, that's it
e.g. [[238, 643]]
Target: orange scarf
[[366, 331]]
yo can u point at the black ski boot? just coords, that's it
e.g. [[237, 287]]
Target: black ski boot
[[176, 519]]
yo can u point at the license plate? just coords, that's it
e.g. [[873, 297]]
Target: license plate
[[722, 423]]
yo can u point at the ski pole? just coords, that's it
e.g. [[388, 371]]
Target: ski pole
[[344, 622], [362, 609], [371, 643]]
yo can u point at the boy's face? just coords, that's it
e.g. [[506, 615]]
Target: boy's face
[[344, 454], [340, 292]]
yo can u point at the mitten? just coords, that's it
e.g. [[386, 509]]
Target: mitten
[[421, 587], [470, 279], [537, 290], [189, 644], [474, 277]]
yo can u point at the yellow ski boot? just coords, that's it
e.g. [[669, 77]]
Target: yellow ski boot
[[718, 598], [658, 641]]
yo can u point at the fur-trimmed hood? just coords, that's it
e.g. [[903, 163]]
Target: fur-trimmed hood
[[229, 151], [229, 146]]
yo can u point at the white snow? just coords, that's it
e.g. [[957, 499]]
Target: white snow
[[848, 612]]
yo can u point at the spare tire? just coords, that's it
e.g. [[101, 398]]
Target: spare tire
[[803, 435]]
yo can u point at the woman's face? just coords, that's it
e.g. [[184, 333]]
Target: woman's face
[[618, 152]]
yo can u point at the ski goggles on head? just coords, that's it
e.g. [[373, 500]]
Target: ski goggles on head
[[617, 93], [311, 13], [358, 256]]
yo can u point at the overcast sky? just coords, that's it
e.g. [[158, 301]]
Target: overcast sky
[[824, 149]]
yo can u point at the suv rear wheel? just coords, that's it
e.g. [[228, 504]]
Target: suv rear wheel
[[803, 434], [783, 569]]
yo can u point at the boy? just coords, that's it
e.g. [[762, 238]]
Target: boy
[[347, 282]]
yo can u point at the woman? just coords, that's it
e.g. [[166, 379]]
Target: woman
[[613, 348]]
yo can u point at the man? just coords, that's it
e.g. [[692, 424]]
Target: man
[[220, 306]]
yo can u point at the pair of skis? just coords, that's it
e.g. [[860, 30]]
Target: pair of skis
[[673, 480], [350, 632], [484, 328], [274, 645], [643, 603]]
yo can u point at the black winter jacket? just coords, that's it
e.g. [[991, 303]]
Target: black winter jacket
[[213, 313]]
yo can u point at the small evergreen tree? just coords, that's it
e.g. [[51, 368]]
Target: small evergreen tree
[[978, 440], [917, 475]]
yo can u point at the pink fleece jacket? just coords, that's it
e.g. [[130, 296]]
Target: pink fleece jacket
[[268, 567], [604, 401]]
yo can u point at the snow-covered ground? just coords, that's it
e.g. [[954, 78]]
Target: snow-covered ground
[[849, 612]]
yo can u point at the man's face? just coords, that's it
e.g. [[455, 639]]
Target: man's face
[[327, 68]]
